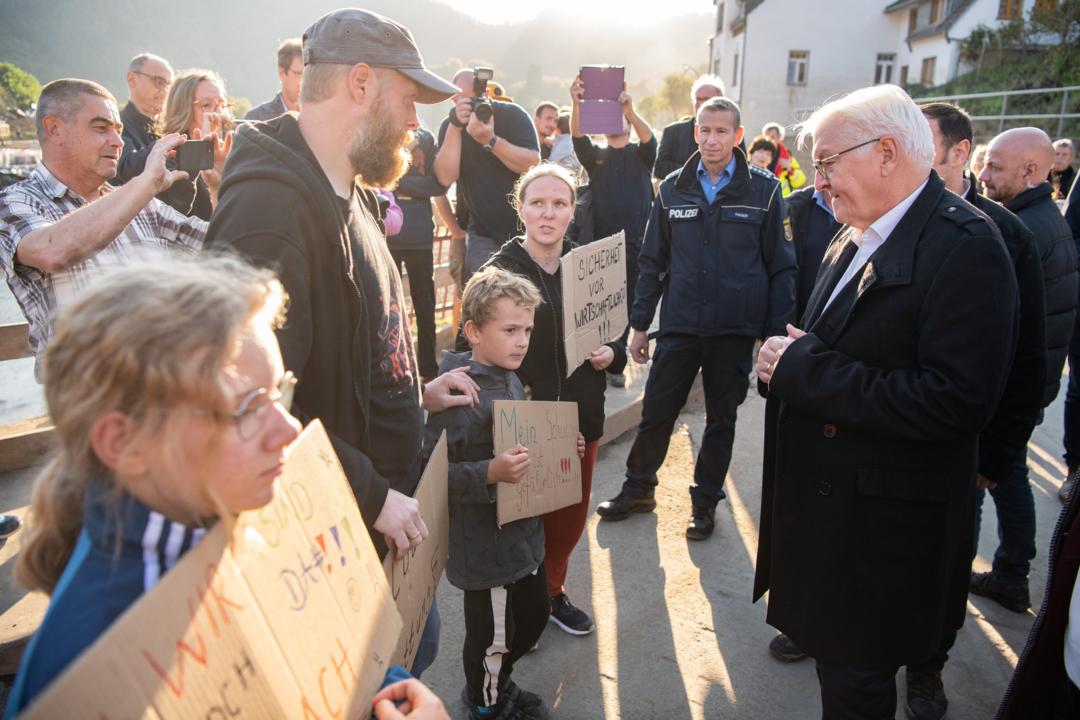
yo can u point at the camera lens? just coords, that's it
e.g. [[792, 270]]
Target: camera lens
[[483, 111]]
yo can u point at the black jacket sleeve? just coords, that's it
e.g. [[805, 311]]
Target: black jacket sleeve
[[646, 152], [619, 363], [586, 152], [1003, 440]]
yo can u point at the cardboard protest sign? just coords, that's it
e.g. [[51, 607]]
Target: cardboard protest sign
[[595, 309], [292, 618], [550, 431], [415, 577]]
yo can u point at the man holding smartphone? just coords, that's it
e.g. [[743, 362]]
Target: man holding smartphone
[[65, 224], [485, 159]]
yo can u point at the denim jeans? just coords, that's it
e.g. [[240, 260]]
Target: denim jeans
[[429, 642], [1015, 507]]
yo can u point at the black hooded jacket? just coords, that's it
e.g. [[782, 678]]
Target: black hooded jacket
[[1040, 214], [544, 366], [277, 208]]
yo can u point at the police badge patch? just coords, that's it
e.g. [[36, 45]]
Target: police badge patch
[[787, 229]]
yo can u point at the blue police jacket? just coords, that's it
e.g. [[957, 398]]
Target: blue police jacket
[[723, 268]]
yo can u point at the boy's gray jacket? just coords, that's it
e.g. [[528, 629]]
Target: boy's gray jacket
[[482, 555]]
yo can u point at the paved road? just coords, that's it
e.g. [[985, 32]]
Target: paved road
[[677, 635]]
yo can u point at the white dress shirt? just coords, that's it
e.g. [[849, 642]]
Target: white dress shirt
[[873, 238]]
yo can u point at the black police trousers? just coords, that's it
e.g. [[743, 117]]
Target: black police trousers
[[725, 362]]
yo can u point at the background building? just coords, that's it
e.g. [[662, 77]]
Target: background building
[[782, 58]]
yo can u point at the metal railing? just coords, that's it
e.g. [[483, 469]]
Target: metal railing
[[1004, 114]]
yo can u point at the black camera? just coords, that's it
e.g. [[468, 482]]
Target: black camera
[[481, 105]]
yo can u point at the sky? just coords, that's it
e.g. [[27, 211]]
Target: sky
[[631, 11]]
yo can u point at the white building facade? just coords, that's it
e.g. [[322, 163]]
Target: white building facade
[[782, 58]]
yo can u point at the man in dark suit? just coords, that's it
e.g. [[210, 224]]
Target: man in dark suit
[[867, 504]]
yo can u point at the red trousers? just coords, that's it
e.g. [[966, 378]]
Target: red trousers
[[563, 527]]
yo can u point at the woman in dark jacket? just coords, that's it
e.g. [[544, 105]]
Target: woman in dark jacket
[[197, 107], [545, 198]]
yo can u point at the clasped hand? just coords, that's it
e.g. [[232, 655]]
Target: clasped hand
[[772, 350]]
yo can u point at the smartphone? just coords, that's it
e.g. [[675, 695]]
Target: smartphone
[[194, 156]]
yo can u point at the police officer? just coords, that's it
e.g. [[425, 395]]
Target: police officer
[[718, 249]]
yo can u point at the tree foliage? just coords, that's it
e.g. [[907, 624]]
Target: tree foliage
[[1041, 49], [18, 87]]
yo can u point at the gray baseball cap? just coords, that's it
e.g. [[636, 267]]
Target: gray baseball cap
[[351, 35]]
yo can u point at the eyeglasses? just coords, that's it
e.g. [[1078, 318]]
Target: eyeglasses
[[252, 413], [213, 106], [161, 83], [821, 165]]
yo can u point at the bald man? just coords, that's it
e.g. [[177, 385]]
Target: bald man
[[1016, 174]]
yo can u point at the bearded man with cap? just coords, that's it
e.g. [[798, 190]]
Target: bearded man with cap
[[298, 196]]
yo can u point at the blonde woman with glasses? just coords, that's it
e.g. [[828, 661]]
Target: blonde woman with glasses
[[198, 107]]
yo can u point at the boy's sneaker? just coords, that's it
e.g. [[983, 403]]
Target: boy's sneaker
[[513, 704], [568, 617], [523, 704]]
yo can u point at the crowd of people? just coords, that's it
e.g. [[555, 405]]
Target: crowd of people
[[911, 310]]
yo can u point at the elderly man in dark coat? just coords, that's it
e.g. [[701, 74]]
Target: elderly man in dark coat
[[868, 499]]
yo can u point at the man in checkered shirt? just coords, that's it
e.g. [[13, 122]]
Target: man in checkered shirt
[[63, 226]]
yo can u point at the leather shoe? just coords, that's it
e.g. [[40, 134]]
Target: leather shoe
[[1011, 596], [8, 525], [702, 524], [784, 649], [925, 696], [624, 504]]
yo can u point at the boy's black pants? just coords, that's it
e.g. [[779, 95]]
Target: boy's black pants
[[501, 625]]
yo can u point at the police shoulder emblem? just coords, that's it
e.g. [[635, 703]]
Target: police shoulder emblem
[[787, 229]]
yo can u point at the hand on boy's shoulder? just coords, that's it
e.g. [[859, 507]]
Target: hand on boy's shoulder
[[453, 388], [509, 466]]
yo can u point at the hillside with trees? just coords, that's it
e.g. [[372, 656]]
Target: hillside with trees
[[534, 60]]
